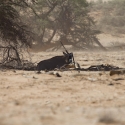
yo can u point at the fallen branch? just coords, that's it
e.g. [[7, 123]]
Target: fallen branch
[[99, 68]]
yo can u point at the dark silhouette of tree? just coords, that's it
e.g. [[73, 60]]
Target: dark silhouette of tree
[[14, 34], [68, 19]]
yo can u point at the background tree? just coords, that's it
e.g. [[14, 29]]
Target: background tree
[[112, 16], [66, 19]]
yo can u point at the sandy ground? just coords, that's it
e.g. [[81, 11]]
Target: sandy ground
[[86, 98]]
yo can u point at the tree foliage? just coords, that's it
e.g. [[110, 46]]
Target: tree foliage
[[12, 29], [67, 19], [14, 34]]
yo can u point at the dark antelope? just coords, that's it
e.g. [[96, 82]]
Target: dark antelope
[[57, 61]]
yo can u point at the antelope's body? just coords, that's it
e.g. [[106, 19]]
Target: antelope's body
[[52, 63]]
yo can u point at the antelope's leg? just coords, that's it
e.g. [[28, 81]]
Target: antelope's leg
[[64, 68]]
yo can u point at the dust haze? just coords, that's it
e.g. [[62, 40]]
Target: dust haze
[[85, 98]]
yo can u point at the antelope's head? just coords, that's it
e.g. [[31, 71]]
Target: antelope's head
[[68, 57]]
